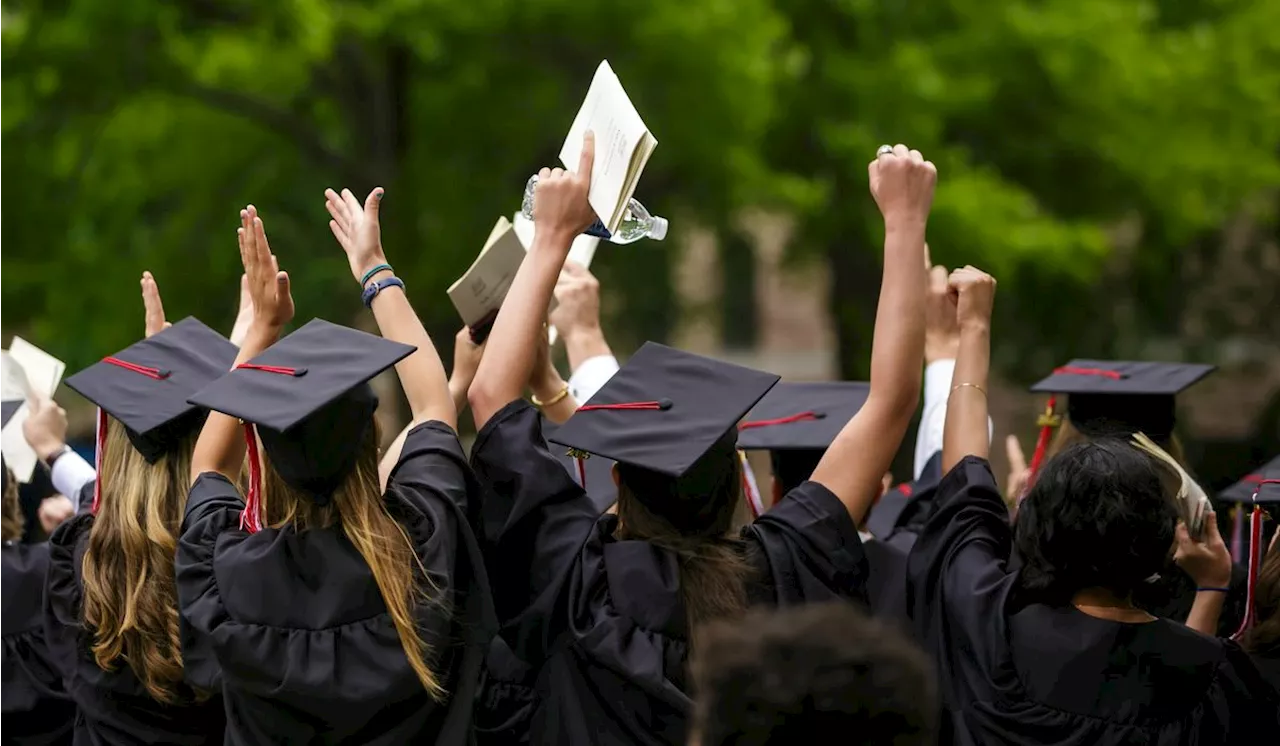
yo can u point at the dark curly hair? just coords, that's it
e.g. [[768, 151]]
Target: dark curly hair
[[813, 674], [1101, 514]]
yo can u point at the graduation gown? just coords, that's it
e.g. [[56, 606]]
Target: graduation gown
[[887, 582], [900, 514], [1029, 673], [113, 707], [507, 694], [601, 619], [36, 709], [294, 627]]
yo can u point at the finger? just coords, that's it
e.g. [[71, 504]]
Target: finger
[[338, 212], [353, 204], [245, 299], [260, 235], [1181, 534], [35, 404], [573, 269], [1210, 531], [587, 160], [902, 151], [544, 174], [275, 263], [371, 204], [338, 233], [916, 156], [557, 173], [153, 308], [1013, 450], [284, 296], [928, 259], [938, 279]]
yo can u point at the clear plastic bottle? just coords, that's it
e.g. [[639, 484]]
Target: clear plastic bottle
[[637, 222]]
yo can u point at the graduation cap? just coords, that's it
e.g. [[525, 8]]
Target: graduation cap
[[309, 396], [1261, 489], [669, 418], [145, 386], [1115, 398], [598, 480], [797, 422]]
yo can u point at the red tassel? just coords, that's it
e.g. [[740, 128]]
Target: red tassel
[[278, 369], [97, 460], [1255, 559], [582, 472], [664, 404], [1049, 421], [155, 373], [1114, 375], [800, 417], [250, 517]]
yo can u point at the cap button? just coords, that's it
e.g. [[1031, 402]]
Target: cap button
[[664, 404]]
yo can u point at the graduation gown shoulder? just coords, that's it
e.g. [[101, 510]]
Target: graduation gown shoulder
[[298, 631], [36, 708], [601, 619], [113, 707], [1015, 672]]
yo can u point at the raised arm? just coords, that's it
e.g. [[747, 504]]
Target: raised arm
[[966, 429], [561, 212], [902, 183], [421, 374], [220, 447], [550, 392]]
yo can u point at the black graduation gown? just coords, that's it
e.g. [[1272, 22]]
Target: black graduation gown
[[1028, 673], [900, 514], [113, 707], [36, 709], [295, 626], [30, 495], [602, 619], [507, 694], [887, 582]]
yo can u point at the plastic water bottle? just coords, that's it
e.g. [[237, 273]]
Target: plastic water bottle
[[637, 222]]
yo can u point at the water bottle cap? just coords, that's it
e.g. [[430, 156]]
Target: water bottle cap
[[659, 229]]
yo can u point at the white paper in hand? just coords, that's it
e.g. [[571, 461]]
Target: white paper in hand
[[623, 145], [18, 454], [44, 371]]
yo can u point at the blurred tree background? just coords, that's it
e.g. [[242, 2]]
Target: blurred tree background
[[1116, 163]]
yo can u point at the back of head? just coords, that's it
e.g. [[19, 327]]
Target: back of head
[[130, 598], [1070, 434], [692, 516], [1100, 514], [356, 505], [815, 674]]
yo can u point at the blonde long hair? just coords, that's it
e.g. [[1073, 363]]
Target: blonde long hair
[[13, 520], [130, 597], [1069, 435], [358, 508]]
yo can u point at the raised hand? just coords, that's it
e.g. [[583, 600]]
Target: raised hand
[[973, 292], [941, 329], [244, 316], [357, 229], [902, 183], [560, 205], [577, 295], [267, 286], [45, 429], [1207, 561], [1019, 473], [153, 308]]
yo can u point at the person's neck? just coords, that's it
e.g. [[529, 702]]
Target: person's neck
[[1106, 604]]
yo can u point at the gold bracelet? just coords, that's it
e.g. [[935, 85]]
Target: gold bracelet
[[971, 385], [552, 401]]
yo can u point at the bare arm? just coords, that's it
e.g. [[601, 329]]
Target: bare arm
[[220, 446], [548, 387], [388, 462], [561, 212], [858, 458], [421, 374], [966, 431]]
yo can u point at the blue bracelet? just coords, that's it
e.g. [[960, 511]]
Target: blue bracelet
[[1215, 590], [372, 291], [364, 280]]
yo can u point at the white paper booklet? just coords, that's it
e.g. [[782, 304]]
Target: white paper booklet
[[27, 371], [623, 145], [44, 371], [581, 252]]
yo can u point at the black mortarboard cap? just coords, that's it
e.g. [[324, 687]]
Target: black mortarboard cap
[[669, 418], [797, 422], [598, 471], [309, 396], [1109, 397], [1264, 482], [146, 385]]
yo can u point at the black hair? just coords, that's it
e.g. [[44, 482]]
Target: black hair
[[813, 674], [1100, 514], [793, 468]]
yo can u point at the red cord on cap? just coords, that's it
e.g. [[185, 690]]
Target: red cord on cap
[[1049, 421], [798, 417], [278, 369], [155, 373], [663, 404], [251, 516], [1068, 370], [1255, 558]]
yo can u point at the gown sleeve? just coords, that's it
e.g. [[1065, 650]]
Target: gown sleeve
[[213, 506], [958, 583], [812, 547], [1240, 700], [536, 520]]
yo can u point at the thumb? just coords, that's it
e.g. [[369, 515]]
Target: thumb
[[938, 279], [372, 202], [35, 404], [1210, 528], [282, 288], [1180, 533], [588, 158]]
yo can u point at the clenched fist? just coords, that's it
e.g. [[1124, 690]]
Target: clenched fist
[[973, 291], [902, 184]]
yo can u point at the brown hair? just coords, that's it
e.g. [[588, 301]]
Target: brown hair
[[713, 571], [130, 599], [1264, 636], [358, 508], [13, 520]]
